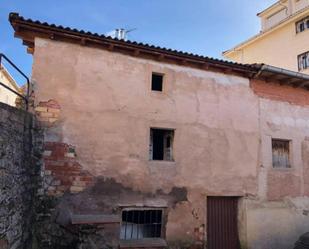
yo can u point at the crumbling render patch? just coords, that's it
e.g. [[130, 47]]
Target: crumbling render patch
[[90, 217], [47, 112], [62, 172]]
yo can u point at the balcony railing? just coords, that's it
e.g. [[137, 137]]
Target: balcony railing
[[24, 97]]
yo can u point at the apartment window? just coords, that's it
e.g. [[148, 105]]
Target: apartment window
[[140, 224], [281, 153], [161, 144], [302, 25], [157, 82], [303, 61]]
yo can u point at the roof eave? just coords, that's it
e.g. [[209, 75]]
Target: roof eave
[[282, 76], [270, 8], [27, 30]]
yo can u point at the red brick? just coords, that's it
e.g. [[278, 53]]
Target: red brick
[[66, 170], [277, 92], [50, 103], [86, 178], [277, 187]]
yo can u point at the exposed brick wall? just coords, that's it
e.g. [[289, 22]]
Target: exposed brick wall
[[277, 184], [47, 112], [279, 92], [62, 172]]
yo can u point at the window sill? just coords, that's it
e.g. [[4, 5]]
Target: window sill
[[161, 163], [301, 32], [143, 243], [283, 169], [79, 219], [158, 94], [168, 161], [305, 70]]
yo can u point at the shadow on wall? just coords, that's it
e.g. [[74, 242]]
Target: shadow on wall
[[55, 228]]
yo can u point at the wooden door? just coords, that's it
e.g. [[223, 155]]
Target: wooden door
[[222, 228]]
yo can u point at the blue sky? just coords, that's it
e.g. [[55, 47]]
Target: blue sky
[[205, 27]]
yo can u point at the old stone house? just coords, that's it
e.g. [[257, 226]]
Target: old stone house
[[150, 147]]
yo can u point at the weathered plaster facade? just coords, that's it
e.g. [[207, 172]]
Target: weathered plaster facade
[[106, 93], [222, 143], [96, 107], [282, 212]]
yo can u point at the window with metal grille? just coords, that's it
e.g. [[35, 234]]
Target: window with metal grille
[[161, 144], [281, 153], [140, 224], [302, 25], [303, 61]]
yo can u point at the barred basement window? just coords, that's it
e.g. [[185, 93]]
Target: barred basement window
[[303, 61], [140, 224], [281, 153], [161, 144]]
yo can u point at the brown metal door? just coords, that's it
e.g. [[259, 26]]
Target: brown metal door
[[222, 229]]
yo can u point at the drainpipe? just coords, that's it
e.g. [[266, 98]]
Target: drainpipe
[[277, 70]]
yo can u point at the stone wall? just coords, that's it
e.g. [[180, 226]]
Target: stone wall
[[19, 168]]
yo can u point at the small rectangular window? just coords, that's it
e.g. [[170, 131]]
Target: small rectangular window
[[140, 224], [157, 82], [161, 144], [303, 61], [302, 25], [281, 153]]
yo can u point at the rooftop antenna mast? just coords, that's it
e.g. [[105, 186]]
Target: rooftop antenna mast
[[122, 33]]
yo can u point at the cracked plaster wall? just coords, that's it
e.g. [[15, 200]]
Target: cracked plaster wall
[[222, 130]]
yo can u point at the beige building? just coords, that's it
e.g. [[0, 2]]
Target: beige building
[[283, 40], [147, 147], [6, 96]]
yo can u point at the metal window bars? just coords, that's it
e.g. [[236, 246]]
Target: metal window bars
[[23, 97], [140, 224]]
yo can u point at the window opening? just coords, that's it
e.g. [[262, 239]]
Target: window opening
[[281, 153], [139, 224], [157, 82], [161, 144]]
